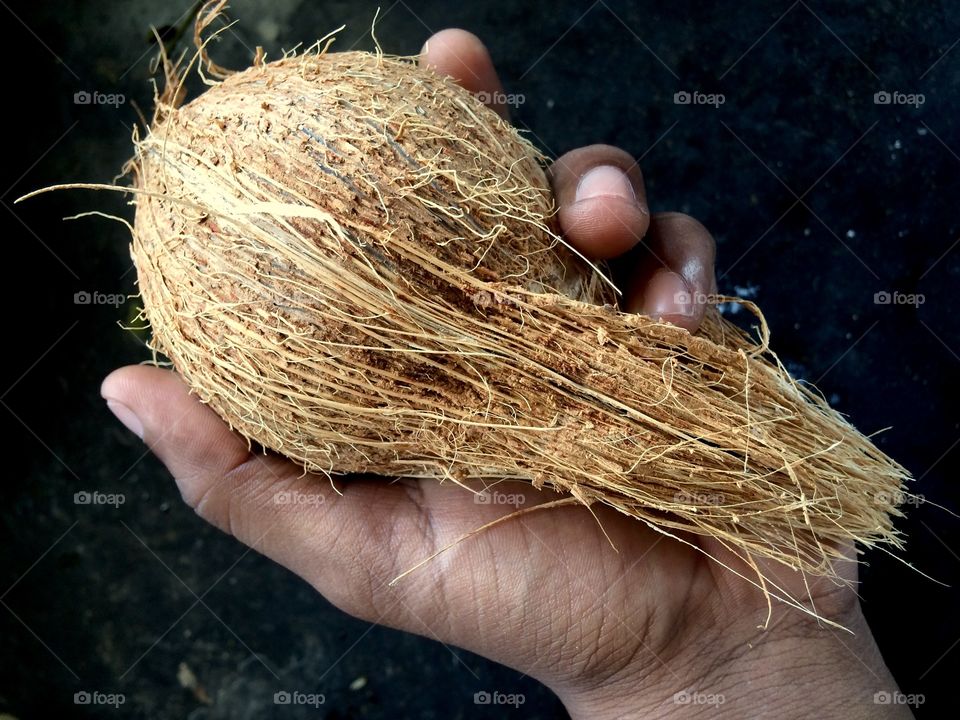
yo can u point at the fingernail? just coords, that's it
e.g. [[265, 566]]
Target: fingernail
[[605, 181], [127, 417], [668, 297]]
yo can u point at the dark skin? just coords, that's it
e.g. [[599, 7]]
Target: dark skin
[[615, 633]]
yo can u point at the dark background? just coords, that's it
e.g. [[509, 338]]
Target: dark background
[[818, 197]]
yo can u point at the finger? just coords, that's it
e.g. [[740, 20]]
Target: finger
[[156, 406], [601, 198], [270, 504], [673, 273], [463, 56], [349, 543], [214, 469]]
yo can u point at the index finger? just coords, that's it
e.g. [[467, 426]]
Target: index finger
[[463, 56]]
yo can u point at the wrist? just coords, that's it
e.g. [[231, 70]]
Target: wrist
[[794, 669]]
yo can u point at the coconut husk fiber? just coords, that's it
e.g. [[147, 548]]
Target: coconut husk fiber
[[356, 265]]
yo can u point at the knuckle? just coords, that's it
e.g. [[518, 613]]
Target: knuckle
[[228, 500]]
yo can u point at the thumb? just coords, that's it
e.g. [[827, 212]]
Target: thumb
[[347, 544], [186, 435]]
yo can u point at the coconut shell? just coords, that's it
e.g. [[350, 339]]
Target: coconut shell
[[354, 263]]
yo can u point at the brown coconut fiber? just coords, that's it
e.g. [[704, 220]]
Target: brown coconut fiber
[[354, 263]]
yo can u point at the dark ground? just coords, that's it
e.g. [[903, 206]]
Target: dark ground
[[102, 598]]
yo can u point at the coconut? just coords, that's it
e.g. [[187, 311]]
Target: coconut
[[355, 264]]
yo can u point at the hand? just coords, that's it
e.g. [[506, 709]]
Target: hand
[[612, 632]]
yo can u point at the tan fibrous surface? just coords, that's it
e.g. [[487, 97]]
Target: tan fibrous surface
[[352, 261]]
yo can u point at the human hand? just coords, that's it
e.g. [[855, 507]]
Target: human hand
[[614, 632]]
